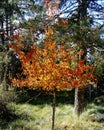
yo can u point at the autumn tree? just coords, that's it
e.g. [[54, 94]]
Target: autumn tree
[[52, 68]]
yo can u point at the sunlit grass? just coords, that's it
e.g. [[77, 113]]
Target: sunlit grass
[[38, 117]]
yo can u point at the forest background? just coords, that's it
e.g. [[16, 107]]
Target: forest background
[[35, 30]]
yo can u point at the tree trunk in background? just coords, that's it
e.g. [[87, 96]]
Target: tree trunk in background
[[7, 29], [79, 101], [79, 93], [2, 33]]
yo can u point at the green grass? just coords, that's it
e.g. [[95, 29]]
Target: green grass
[[38, 117], [37, 114]]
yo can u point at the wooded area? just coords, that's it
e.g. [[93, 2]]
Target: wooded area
[[51, 55]]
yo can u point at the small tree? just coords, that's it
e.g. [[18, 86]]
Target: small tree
[[52, 68]]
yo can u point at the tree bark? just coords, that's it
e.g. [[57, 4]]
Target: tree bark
[[2, 35], [79, 93], [79, 101]]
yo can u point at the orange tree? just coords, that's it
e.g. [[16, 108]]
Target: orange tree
[[52, 68]]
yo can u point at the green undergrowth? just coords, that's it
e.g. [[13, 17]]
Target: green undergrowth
[[38, 117], [33, 111]]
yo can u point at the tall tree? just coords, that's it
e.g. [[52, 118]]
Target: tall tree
[[81, 15], [83, 6]]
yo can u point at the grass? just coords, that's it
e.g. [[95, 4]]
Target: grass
[[37, 114], [38, 117]]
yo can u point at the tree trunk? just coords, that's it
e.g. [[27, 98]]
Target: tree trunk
[[79, 101], [53, 111], [2, 35], [79, 93], [5, 84], [7, 30]]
